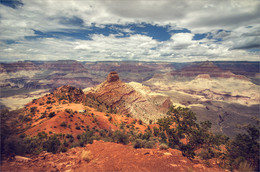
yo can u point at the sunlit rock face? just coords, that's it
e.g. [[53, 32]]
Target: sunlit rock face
[[115, 96]]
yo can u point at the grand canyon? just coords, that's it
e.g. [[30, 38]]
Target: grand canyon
[[81, 102], [130, 85]]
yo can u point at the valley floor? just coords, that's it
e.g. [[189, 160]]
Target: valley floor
[[107, 156]]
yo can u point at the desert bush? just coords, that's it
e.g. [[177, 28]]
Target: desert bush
[[187, 151], [64, 149], [120, 137], [138, 143], [206, 153], [52, 114], [246, 146], [65, 143], [43, 116], [42, 135], [33, 110], [71, 139], [52, 144], [149, 144], [63, 124], [163, 146], [69, 136], [78, 127], [86, 156], [78, 136], [13, 145], [27, 118], [23, 135]]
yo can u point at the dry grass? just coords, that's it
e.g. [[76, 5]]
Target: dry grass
[[86, 156]]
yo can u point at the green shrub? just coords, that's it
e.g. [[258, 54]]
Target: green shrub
[[149, 144], [139, 143], [120, 137], [163, 146], [52, 144]]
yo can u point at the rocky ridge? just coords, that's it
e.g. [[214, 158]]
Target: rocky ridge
[[117, 96], [17, 66], [64, 65], [206, 68]]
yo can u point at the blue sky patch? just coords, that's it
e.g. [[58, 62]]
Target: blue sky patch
[[12, 3], [160, 33]]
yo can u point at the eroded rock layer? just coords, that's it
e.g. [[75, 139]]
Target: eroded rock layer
[[115, 96]]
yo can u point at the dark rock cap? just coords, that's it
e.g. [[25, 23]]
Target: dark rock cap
[[112, 77]]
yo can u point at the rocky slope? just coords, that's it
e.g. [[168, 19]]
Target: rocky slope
[[63, 112], [117, 96]]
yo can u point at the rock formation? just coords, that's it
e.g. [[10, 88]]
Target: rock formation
[[69, 93], [112, 77], [206, 68], [115, 96]]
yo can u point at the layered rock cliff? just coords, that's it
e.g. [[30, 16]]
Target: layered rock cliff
[[206, 68], [17, 66], [115, 96]]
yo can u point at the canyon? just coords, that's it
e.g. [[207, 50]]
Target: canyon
[[216, 91]]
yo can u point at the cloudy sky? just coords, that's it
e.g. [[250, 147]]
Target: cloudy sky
[[144, 30]]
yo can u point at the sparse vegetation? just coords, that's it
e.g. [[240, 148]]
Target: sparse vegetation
[[63, 124], [180, 124], [52, 114]]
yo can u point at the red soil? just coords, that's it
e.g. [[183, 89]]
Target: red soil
[[106, 156]]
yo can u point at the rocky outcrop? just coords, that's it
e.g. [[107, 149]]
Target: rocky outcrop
[[115, 96], [69, 93], [112, 77]]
